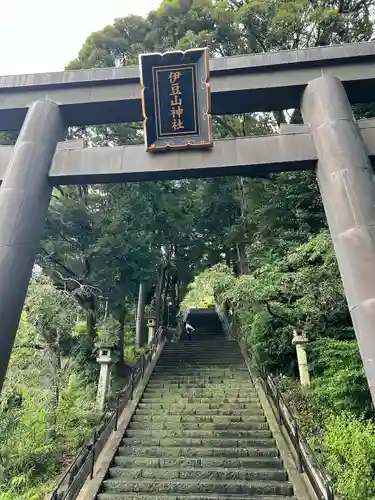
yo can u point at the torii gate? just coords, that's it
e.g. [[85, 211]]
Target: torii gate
[[323, 82]]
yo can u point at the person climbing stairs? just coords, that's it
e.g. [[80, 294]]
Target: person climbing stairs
[[199, 432]]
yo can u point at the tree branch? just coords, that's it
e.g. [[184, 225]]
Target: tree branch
[[29, 346], [275, 315], [47, 257]]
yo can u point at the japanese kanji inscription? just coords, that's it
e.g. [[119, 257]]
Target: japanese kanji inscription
[[176, 100]]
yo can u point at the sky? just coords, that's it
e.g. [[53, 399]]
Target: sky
[[37, 36]]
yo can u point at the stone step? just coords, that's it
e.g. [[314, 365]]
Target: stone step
[[202, 347], [246, 388], [189, 352], [211, 374], [199, 462], [196, 400], [201, 486], [166, 424], [218, 357], [202, 384], [215, 356], [211, 377], [174, 410], [198, 442], [173, 496], [217, 474], [199, 393], [205, 366], [216, 379], [212, 405], [200, 341], [232, 381], [216, 419], [219, 361], [194, 372], [222, 355], [211, 363], [199, 451], [198, 433], [211, 389], [230, 349]]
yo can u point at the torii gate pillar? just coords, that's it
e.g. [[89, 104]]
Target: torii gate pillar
[[346, 182], [24, 198]]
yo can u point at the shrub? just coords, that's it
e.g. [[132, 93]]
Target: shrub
[[349, 452]]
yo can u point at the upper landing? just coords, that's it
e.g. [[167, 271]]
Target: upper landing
[[205, 321], [239, 84]]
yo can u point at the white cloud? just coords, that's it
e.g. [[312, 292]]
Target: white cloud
[[44, 35]]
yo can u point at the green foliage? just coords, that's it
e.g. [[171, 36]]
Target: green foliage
[[343, 442], [304, 407], [108, 332], [132, 354], [339, 382], [47, 406], [201, 292], [299, 290], [349, 449], [52, 312]]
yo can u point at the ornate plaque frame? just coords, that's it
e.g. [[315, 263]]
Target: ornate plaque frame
[[176, 100]]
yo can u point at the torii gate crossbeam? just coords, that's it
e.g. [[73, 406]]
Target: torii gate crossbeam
[[258, 82]]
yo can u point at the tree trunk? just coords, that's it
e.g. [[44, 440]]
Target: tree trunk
[[165, 301], [182, 290], [158, 296], [241, 253], [173, 311], [139, 333], [242, 263], [227, 258], [91, 323], [54, 357], [121, 339]]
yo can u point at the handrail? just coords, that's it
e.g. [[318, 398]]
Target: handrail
[[224, 320], [83, 464], [307, 460]]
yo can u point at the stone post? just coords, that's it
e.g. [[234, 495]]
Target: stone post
[[346, 182], [24, 198], [151, 323], [300, 342], [104, 359]]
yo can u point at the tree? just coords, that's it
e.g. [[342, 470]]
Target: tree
[[47, 407]]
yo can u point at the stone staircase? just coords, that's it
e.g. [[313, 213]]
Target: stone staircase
[[199, 432], [205, 321]]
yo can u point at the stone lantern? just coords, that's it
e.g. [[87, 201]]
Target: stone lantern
[[104, 359], [300, 342], [151, 323]]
